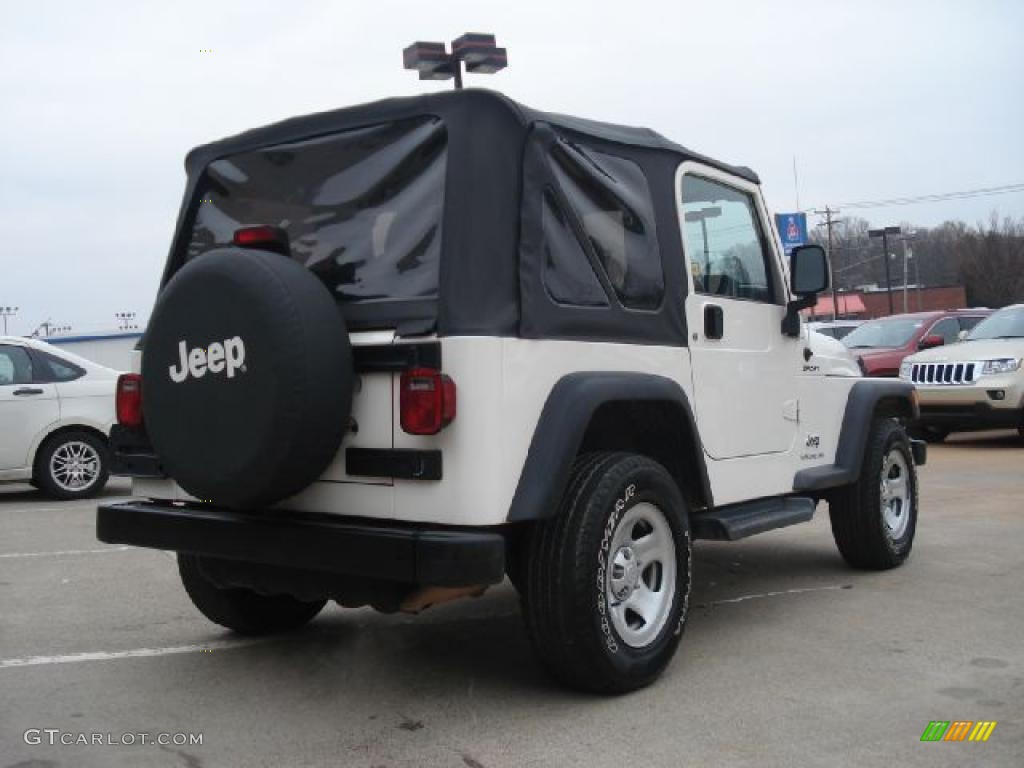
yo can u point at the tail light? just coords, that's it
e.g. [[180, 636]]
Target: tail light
[[129, 400], [426, 401]]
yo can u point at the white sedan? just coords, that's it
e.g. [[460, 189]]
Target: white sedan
[[56, 411]]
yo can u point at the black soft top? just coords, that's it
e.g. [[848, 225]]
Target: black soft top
[[447, 105], [488, 276]]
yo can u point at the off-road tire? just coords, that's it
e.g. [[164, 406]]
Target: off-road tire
[[243, 610], [565, 597], [43, 476], [856, 511]]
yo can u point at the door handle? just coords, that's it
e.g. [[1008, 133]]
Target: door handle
[[714, 321], [28, 391]]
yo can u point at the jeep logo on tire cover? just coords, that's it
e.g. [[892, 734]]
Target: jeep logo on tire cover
[[228, 356]]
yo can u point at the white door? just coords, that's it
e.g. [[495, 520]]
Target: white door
[[26, 408], [744, 367]]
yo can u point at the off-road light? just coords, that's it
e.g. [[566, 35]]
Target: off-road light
[[433, 62]]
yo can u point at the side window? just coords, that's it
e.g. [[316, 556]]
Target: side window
[[568, 276], [15, 366], [948, 328], [57, 369], [966, 323], [612, 201], [724, 242]]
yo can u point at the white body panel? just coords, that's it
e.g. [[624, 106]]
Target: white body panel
[[503, 384], [743, 382]]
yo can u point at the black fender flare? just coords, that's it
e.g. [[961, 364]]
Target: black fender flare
[[563, 422], [861, 405]]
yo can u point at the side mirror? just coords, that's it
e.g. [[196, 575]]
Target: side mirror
[[962, 335], [930, 342], [808, 276], [808, 270]]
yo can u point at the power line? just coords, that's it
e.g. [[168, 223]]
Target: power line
[[1005, 189]]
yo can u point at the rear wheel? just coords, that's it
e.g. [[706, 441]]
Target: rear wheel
[[607, 581], [71, 465], [875, 518], [243, 610]]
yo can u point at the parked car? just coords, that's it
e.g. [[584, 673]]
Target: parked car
[[978, 384], [56, 411], [880, 345], [336, 402], [837, 329]]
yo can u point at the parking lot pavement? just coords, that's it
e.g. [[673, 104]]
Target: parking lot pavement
[[789, 658]]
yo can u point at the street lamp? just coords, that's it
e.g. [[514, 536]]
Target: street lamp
[[125, 321], [7, 312], [884, 234], [908, 254], [433, 62]]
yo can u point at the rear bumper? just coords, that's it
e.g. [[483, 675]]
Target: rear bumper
[[393, 551]]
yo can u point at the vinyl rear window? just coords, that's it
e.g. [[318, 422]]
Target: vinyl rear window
[[362, 208]]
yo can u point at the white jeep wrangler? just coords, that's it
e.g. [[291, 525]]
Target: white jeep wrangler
[[404, 349]]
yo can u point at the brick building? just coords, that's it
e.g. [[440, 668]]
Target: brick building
[[872, 303]]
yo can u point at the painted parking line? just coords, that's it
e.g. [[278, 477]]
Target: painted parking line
[[66, 506], [134, 653], [63, 552], [780, 593]]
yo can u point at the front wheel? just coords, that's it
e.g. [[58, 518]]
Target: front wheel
[[607, 582], [243, 610], [875, 518]]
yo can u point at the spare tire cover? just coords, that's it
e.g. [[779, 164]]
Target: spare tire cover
[[246, 377]]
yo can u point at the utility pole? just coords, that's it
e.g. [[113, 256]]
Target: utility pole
[[884, 234], [829, 221]]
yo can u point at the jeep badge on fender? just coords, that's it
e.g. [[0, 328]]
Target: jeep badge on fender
[[229, 357]]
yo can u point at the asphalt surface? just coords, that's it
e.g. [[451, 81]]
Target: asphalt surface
[[789, 659]]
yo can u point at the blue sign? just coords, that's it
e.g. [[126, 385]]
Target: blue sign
[[792, 229]]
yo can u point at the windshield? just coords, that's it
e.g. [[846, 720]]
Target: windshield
[[1005, 324], [362, 208], [888, 333]]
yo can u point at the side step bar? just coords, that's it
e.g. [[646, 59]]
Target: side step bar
[[737, 521]]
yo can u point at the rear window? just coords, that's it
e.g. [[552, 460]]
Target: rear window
[[362, 208]]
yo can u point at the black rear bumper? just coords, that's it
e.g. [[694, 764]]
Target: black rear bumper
[[379, 550]]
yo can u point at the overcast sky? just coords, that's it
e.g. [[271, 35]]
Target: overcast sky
[[101, 101]]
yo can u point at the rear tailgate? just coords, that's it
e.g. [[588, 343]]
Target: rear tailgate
[[372, 422]]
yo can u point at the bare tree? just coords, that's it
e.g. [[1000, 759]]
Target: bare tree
[[992, 262]]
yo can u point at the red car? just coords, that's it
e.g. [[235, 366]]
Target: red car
[[880, 345]]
